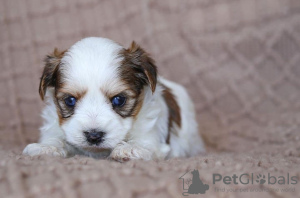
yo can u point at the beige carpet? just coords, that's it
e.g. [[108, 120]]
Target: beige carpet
[[240, 61]]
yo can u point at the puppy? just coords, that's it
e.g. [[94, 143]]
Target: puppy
[[103, 100]]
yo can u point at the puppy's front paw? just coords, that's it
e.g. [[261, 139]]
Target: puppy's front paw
[[125, 152], [42, 149]]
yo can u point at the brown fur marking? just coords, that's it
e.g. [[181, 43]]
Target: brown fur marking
[[50, 73], [138, 105], [137, 70], [64, 112], [51, 77], [174, 111]]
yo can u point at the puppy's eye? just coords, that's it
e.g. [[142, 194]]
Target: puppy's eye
[[118, 101], [70, 101]]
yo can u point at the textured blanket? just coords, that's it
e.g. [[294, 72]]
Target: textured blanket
[[240, 61]]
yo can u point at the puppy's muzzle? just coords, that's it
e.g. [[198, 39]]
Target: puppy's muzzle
[[93, 136]]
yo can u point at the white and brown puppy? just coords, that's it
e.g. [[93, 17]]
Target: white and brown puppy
[[104, 100]]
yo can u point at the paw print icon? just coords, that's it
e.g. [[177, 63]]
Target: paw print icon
[[261, 179]]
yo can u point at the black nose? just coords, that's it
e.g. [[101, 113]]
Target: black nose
[[94, 137]]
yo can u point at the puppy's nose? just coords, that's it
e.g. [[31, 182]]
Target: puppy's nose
[[93, 136]]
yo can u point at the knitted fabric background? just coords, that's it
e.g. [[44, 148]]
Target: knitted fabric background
[[239, 60]]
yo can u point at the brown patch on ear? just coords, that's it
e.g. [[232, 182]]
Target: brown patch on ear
[[138, 68], [50, 74], [174, 111]]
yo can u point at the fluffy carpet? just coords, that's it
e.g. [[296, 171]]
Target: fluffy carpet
[[238, 59]]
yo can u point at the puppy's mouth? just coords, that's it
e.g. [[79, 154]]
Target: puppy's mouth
[[95, 149], [90, 147]]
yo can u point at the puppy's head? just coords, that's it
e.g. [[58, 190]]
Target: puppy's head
[[98, 88]]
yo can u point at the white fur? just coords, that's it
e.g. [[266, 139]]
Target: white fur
[[91, 64]]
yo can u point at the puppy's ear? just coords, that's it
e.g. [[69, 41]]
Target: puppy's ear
[[49, 77], [143, 64]]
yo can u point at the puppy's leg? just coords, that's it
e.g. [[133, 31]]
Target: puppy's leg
[[52, 142], [126, 151], [146, 140], [52, 147], [44, 149]]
